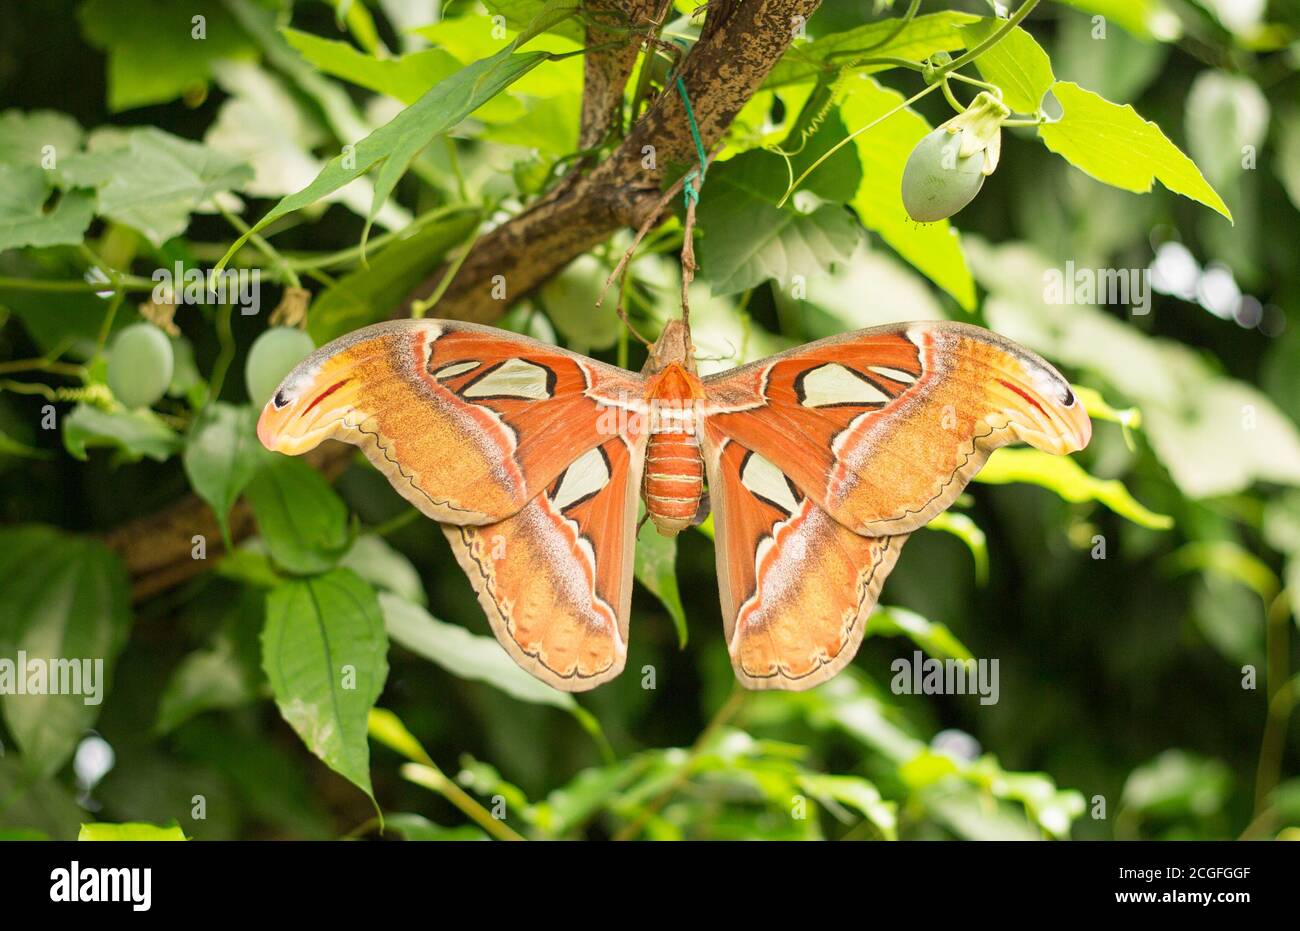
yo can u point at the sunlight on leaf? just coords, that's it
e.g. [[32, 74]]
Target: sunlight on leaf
[[1067, 478], [1229, 560], [935, 639], [388, 729], [133, 831], [1116, 146]]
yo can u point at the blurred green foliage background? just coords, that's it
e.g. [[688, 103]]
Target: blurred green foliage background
[[1141, 607]]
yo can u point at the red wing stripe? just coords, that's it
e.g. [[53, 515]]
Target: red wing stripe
[[325, 394]]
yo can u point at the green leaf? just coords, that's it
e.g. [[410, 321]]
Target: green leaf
[[35, 806], [585, 795], [1017, 64], [333, 101], [1067, 479], [153, 54], [205, 679], [388, 729], [545, 15], [1117, 147], [417, 827], [65, 604], [324, 652], [277, 132], [372, 558], [393, 145], [749, 240], [132, 830], [1146, 19], [1177, 784], [221, 457], [855, 792], [24, 220], [966, 530], [132, 434], [152, 181], [26, 138], [1225, 114], [9, 446], [934, 638], [464, 654], [369, 294], [933, 248], [407, 78], [1282, 522], [919, 39], [839, 173], [1052, 809], [1287, 163], [302, 520], [250, 564], [225, 674], [57, 321], [1230, 561], [656, 569]]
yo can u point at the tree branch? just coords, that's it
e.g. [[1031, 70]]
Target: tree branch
[[606, 71], [157, 548], [738, 46]]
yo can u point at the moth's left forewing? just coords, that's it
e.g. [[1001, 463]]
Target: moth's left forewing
[[467, 422]]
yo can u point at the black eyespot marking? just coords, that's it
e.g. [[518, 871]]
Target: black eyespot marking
[[280, 400], [1068, 399]]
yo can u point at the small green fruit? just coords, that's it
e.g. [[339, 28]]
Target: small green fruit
[[273, 356], [937, 181], [140, 364]]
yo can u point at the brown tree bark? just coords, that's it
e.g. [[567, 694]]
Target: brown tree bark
[[740, 42], [738, 46]]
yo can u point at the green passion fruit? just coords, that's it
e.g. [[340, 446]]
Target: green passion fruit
[[140, 364], [273, 356], [937, 180]]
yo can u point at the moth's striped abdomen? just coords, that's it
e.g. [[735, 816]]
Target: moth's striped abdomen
[[674, 481], [674, 468]]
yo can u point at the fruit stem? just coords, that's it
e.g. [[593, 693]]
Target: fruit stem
[[1025, 9]]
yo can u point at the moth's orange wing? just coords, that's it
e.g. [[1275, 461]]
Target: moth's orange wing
[[468, 423], [529, 455], [797, 586], [883, 428], [555, 580]]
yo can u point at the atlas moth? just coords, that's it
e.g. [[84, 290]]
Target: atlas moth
[[819, 462]]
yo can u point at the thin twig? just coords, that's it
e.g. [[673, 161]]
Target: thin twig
[[650, 221], [688, 260]]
